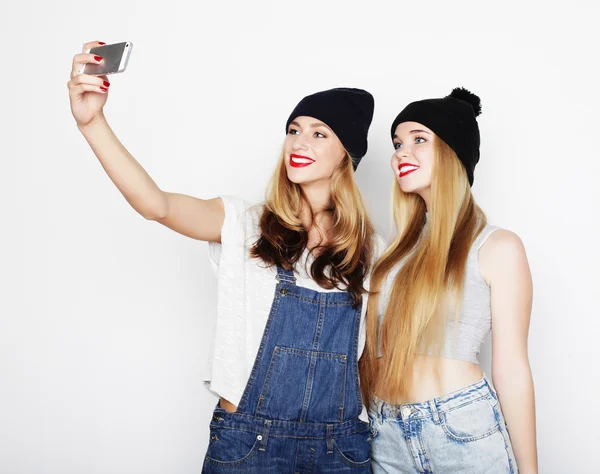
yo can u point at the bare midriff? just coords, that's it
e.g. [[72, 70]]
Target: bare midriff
[[453, 375]]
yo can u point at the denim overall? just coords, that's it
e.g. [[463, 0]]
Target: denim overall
[[299, 411]]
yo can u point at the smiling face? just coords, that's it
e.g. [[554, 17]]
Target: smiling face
[[311, 151], [412, 162]]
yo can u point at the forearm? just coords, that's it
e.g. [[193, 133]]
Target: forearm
[[514, 385], [138, 188]]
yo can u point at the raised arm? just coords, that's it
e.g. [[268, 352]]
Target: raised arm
[[196, 218]]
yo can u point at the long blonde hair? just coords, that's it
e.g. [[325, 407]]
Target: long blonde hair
[[345, 258], [429, 285]]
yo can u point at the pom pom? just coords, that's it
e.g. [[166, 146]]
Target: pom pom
[[465, 95]]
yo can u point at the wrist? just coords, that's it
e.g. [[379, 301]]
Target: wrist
[[98, 120]]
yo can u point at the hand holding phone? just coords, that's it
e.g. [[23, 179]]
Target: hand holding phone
[[89, 84], [114, 59]]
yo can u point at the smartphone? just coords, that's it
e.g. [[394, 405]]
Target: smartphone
[[114, 59]]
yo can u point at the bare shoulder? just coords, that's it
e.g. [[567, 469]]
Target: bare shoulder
[[502, 254], [503, 242]]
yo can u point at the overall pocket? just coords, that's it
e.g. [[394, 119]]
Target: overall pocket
[[303, 385], [470, 422], [231, 447], [354, 450]]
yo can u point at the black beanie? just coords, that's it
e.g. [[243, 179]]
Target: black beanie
[[348, 112], [453, 119]]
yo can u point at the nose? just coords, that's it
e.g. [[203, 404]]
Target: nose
[[402, 154], [299, 144]]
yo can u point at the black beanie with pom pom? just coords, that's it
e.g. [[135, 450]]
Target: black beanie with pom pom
[[453, 119]]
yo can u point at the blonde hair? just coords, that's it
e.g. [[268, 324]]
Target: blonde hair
[[429, 285], [344, 259]]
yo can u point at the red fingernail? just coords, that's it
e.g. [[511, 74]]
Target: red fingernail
[[103, 89], [101, 42], [106, 83], [98, 58]]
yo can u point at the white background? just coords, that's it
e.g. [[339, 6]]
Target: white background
[[106, 319]]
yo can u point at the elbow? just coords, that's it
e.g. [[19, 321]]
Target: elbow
[[507, 372], [157, 215], [500, 378], [155, 211], [153, 217]]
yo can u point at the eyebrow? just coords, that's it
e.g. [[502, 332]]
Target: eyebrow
[[313, 125], [415, 131]]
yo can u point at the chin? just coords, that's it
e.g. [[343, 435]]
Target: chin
[[410, 188], [297, 176]]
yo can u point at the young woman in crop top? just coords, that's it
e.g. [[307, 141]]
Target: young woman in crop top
[[446, 280]]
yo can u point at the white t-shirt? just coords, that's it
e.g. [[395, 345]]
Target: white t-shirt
[[246, 288]]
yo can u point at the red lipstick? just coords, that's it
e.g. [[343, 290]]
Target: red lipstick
[[406, 169], [300, 161]]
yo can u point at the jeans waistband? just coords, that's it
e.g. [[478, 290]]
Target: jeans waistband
[[290, 429], [432, 408]]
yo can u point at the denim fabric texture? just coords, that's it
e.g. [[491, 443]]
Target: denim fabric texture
[[299, 412], [462, 432]]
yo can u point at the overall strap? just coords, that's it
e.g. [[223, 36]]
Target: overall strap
[[285, 276]]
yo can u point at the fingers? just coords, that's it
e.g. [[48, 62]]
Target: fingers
[[90, 45], [86, 83], [80, 60], [81, 89]]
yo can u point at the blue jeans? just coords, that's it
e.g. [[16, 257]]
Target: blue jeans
[[462, 432], [299, 413]]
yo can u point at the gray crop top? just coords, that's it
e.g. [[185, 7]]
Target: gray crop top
[[475, 314]]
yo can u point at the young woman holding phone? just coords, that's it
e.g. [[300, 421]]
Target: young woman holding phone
[[292, 280]]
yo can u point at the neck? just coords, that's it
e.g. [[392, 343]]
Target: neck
[[318, 195], [426, 196]]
